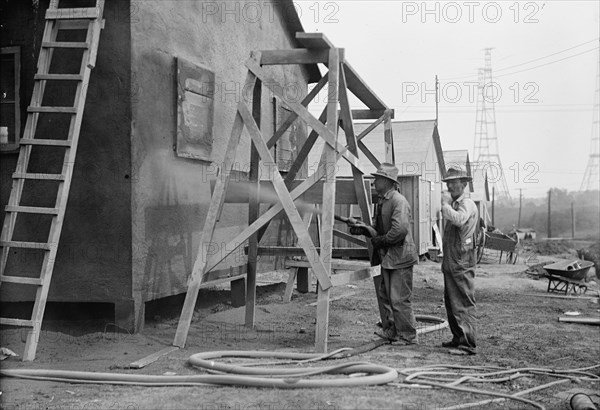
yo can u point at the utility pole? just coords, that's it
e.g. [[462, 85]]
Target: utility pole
[[437, 99], [520, 204], [549, 212], [493, 203], [573, 220]]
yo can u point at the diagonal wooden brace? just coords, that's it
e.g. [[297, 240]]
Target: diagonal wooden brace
[[303, 113], [286, 199]]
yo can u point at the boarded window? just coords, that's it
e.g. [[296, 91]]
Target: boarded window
[[195, 110], [10, 109]]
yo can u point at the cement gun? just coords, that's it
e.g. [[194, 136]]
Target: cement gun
[[355, 223]]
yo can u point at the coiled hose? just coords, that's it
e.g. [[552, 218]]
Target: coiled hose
[[243, 375]]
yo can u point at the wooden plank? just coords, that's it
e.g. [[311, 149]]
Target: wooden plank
[[388, 139], [47, 142], [361, 90], [15, 322], [58, 77], [72, 24], [73, 13], [38, 176], [303, 113], [328, 205], [31, 210], [350, 238], [582, 320], [141, 363], [238, 295], [289, 286], [286, 199], [305, 150], [22, 280], [64, 44], [214, 282], [369, 154], [314, 40], [370, 114], [293, 56], [212, 216], [339, 252], [293, 116], [336, 264], [67, 110], [253, 210], [27, 245]]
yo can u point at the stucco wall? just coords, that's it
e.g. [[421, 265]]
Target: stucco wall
[[170, 194], [94, 255]]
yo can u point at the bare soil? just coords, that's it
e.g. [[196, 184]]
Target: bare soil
[[514, 331]]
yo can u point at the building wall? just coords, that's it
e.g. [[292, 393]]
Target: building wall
[[171, 194], [94, 256]]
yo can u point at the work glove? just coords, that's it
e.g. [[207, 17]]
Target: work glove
[[378, 242]]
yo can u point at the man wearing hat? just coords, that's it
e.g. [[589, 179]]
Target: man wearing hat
[[394, 244], [460, 216]]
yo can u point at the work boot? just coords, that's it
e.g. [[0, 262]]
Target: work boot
[[451, 343], [389, 334]]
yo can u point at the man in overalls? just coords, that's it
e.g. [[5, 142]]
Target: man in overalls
[[460, 218]]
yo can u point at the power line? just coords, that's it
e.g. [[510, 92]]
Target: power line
[[551, 62], [526, 62], [549, 55]]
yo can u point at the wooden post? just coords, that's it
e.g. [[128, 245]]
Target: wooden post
[[549, 213], [328, 206], [253, 211]]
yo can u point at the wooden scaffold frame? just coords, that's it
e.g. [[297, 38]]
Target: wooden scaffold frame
[[340, 78]]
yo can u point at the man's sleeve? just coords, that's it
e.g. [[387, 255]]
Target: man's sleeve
[[460, 216], [400, 224]]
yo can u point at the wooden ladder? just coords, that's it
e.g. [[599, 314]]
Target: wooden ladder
[[57, 19]]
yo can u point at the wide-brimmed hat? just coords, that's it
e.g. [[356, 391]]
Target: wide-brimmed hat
[[454, 173], [387, 170]]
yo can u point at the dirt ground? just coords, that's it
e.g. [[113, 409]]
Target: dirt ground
[[515, 330]]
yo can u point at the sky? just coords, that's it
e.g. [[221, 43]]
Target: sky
[[544, 61]]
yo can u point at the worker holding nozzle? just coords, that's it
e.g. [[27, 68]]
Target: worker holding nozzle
[[392, 241]]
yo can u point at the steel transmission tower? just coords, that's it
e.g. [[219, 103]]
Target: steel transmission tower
[[485, 149], [591, 177]]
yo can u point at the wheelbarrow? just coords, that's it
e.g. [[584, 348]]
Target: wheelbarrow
[[568, 276]]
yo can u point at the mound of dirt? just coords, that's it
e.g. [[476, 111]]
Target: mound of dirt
[[554, 247]]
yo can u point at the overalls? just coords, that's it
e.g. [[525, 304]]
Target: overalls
[[458, 269]]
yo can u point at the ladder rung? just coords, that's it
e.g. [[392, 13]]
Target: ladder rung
[[64, 44], [42, 177], [63, 77], [29, 245], [60, 143], [31, 210], [73, 13], [21, 280], [15, 322], [72, 110]]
